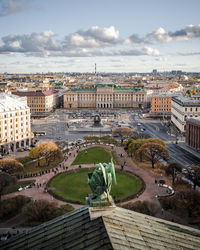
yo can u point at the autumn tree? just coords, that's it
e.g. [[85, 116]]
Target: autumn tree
[[10, 166], [5, 181], [156, 140], [48, 150], [172, 169], [153, 152], [123, 133], [134, 145]]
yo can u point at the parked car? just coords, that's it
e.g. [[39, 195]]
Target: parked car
[[1, 157], [20, 189]]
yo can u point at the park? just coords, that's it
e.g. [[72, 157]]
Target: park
[[60, 179]]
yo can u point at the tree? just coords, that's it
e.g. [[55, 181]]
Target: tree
[[194, 175], [5, 181], [144, 207], [153, 152], [134, 145], [48, 150], [156, 140], [42, 210], [183, 202], [172, 169], [10, 166], [123, 133]]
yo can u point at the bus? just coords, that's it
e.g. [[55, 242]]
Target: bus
[[39, 133]]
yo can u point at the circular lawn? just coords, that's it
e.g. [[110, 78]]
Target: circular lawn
[[73, 186]]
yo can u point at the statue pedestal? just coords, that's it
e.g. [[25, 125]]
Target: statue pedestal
[[99, 202]]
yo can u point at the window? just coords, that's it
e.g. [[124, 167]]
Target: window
[[190, 109], [185, 109]]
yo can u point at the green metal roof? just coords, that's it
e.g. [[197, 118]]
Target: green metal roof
[[116, 88], [106, 228]]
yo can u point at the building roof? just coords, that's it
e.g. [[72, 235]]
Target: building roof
[[35, 93], [10, 102], [194, 120], [184, 101], [106, 228], [104, 85]]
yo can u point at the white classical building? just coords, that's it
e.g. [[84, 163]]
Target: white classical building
[[105, 96], [183, 108], [15, 126]]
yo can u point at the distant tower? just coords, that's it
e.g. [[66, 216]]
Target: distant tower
[[95, 69]]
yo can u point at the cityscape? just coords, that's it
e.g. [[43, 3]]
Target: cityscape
[[99, 124]]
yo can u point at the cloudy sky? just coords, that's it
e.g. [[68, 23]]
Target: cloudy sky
[[117, 35]]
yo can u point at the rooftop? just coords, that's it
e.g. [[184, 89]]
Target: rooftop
[[35, 93], [106, 228], [10, 102], [186, 101]]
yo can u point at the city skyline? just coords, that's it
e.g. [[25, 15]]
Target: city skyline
[[120, 36]]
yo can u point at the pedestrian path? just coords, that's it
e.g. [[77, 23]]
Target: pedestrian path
[[152, 190]]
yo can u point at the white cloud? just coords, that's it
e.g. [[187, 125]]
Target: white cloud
[[94, 37], [161, 36]]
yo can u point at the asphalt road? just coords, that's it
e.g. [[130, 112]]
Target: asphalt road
[[155, 129]]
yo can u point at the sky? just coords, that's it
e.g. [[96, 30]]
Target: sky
[[117, 35]]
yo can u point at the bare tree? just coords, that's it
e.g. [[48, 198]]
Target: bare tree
[[123, 133], [172, 169]]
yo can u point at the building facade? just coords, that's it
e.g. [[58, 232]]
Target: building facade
[[15, 126], [40, 102], [105, 96], [161, 105], [193, 133], [183, 108]]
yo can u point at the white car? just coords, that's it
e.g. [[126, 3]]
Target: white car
[[20, 189]]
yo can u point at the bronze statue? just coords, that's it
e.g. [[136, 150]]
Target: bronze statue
[[100, 182]]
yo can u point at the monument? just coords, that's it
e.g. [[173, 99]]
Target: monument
[[97, 121], [100, 181]]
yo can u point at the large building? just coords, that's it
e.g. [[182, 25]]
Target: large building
[[105, 96], [15, 127], [193, 132], [161, 105], [183, 108], [40, 102]]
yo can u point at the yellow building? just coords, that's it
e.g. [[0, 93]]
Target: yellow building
[[105, 96], [40, 101]]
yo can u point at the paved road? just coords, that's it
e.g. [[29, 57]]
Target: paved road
[[155, 129]]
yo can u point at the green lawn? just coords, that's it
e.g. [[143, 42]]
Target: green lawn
[[73, 186], [93, 155]]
